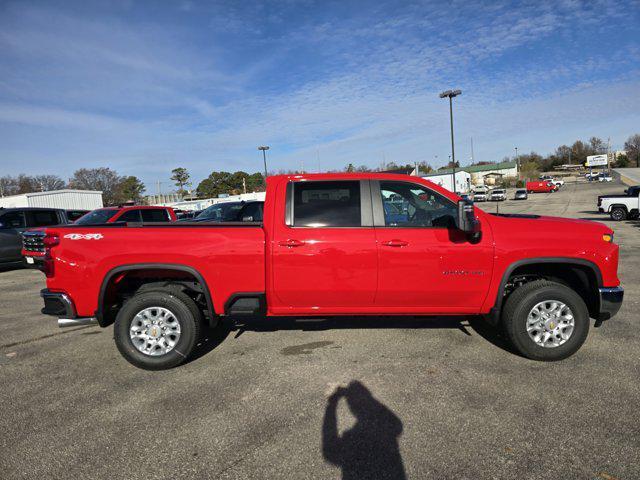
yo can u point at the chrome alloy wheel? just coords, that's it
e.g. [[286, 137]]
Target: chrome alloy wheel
[[155, 331], [550, 323]]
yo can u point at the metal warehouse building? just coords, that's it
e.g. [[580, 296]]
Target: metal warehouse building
[[65, 199]]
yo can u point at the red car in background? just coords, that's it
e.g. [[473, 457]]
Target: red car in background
[[544, 186], [133, 214]]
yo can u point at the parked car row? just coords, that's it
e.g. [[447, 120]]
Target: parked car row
[[15, 221]]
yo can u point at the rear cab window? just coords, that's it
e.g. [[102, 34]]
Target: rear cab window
[[326, 204], [42, 218], [155, 215]]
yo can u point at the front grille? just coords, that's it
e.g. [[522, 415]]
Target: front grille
[[33, 241]]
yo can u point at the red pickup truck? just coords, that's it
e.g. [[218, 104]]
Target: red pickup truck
[[335, 244]]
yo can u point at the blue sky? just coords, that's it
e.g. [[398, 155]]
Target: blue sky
[[144, 87]]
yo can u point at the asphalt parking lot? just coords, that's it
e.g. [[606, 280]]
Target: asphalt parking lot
[[430, 397]]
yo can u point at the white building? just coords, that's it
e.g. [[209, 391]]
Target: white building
[[65, 199], [445, 180]]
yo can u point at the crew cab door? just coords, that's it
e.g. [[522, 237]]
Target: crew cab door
[[425, 263], [323, 252]]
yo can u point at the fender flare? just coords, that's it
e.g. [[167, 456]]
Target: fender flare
[[150, 266], [496, 309], [618, 205]]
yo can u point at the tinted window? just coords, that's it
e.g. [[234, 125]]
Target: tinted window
[[74, 215], [252, 210], [42, 218], [155, 215], [12, 220], [326, 204], [130, 216], [411, 205], [221, 212], [96, 217]]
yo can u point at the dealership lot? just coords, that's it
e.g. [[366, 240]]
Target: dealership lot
[[435, 398]]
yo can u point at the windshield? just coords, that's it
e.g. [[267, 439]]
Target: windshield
[[102, 215], [221, 212]]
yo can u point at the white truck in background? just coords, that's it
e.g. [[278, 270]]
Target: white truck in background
[[621, 207]]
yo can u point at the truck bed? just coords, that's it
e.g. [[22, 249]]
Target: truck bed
[[229, 256]]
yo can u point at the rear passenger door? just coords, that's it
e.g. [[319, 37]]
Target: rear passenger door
[[323, 253]]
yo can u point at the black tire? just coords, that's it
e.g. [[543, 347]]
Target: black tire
[[522, 301], [186, 313], [618, 214]]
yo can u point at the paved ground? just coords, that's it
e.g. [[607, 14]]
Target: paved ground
[[431, 398]]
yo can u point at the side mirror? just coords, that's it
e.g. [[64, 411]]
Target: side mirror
[[2, 225], [467, 221], [248, 218]]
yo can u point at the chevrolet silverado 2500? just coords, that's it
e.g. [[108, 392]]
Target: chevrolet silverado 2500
[[330, 244]]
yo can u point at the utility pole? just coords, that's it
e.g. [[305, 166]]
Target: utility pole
[[472, 157], [517, 163], [264, 149], [450, 94]]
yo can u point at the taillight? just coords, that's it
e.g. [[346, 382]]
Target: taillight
[[51, 240]]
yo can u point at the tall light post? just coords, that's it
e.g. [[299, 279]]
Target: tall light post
[[264, 149], [517, 163], [450, 94]]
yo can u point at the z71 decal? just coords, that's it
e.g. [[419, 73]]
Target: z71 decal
[[84, 236]]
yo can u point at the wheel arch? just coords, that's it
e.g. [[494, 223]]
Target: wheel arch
[[101, 315], [544, 265], [618, 205]]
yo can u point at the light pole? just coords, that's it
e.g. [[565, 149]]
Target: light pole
[[517, 163], [450, 94], [264, 149]]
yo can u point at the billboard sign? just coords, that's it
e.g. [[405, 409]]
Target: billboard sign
[[596, 161]]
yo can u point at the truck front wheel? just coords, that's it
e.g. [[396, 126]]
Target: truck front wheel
[[545, 320], [156, 330]]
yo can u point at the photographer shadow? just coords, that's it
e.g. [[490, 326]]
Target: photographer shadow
[[369, 449]]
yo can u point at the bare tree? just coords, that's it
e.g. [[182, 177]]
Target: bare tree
[[103, 179], [49, 182], [632, 147]]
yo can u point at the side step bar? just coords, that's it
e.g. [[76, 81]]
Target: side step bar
[[76, 322]]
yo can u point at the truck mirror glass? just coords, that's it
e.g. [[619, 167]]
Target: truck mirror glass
[[467, 221]]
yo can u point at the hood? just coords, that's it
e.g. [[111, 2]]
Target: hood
[[542, 226]]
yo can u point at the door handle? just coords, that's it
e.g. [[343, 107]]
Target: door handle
[[395, 243], [291, 243]]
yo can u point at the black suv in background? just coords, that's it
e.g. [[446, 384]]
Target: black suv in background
[[13, 221]]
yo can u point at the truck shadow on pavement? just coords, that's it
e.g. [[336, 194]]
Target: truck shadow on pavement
[[369, 449], [466, 325]]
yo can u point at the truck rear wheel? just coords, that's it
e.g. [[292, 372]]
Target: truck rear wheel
[[156, 330], [545, 320], [618, 214]]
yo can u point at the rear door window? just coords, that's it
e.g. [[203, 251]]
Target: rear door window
[[155, 215], [12, 220], [42, 218], [327, 204], [130, 216]]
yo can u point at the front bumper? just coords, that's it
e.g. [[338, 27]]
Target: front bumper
[[610, 302]]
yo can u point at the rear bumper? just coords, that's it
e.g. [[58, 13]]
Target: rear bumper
[[601, 210], [610, 301], [60, 305], [57, 304]]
